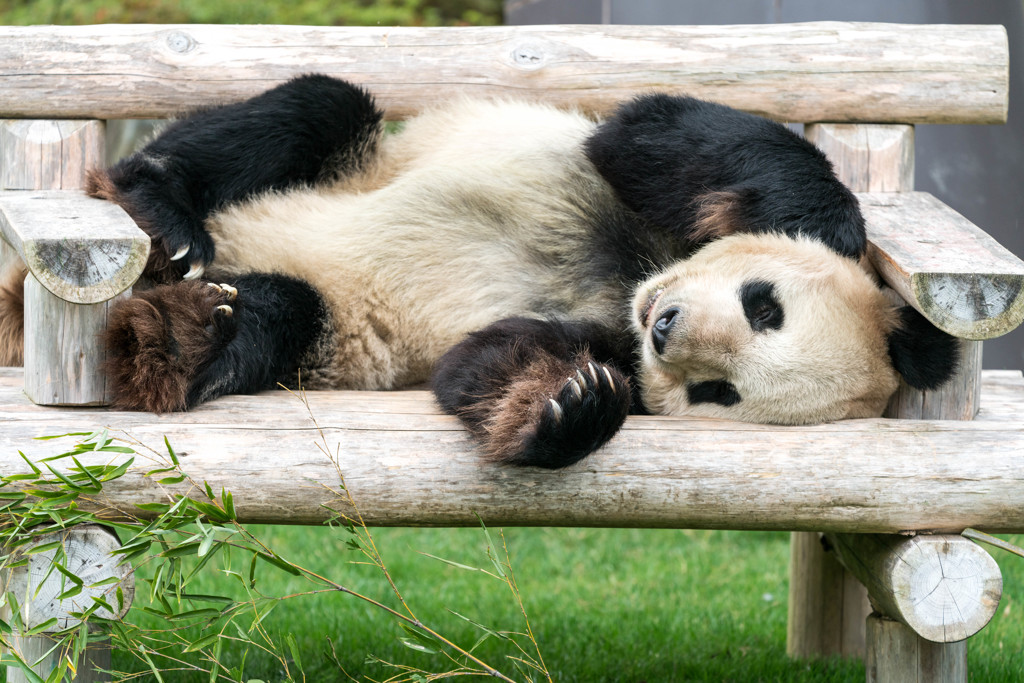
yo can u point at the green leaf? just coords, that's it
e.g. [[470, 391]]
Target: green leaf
[[152, 666], [293, 647], [43, 547], [63, 436], [118, 472], [30, 464], [154, 507], [492, 551], [71, 592], [177, 479], [203, 613], [105, 582], [279, 563], [36, 630], [63, 570], [207, 543], [12, 659], [229, 504], [181, 550], [170, 452]]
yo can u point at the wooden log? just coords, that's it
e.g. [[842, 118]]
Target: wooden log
[[407, 465], [63, 352], [897, 655], [83, 250], [37, 588], [826, 603], [876, 158], [961, 279], [945, 588], [49, 154], [821, 71]]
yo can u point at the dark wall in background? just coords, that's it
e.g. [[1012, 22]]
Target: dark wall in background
[[975, 169]]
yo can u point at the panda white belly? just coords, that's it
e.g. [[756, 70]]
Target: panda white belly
[[439, 238]]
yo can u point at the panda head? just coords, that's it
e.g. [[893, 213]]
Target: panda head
[[773, 329]]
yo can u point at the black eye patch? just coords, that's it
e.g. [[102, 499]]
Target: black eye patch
[[713, 391], [762, 308]]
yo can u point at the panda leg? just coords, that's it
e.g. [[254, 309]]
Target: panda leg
[[309, 130], [178, 345], [541, 393]]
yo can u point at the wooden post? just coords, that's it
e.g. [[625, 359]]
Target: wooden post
[[828, 606], [37, 588], [44, 155], [898, 655], [826, 603]]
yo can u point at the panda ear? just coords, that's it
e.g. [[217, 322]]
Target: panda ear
[[924, 355]]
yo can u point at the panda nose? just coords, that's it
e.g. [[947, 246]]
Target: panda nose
[[661, 329]]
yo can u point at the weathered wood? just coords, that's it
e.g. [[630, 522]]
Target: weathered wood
[[826, 603], [945, 588], [36, 587], [405, 464], [82, 249], [897, 655], [49, 154], [958, 399], [822, 71], [961, 279], [63, 352], [872, 158]]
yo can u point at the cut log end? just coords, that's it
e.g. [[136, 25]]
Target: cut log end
[[971, 305]]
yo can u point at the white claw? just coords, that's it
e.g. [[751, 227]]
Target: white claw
[[230, 291], [226, 310], [608, 376], [556, 408], [576, 389], [195, 271], [581, 378], [180, 254], [214, 285], [593, 371]]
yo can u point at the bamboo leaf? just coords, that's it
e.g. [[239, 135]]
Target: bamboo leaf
[[31, 464], [293, 647], [279, 563], [36, 630], [171, 453]]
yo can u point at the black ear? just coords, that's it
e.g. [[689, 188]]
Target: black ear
[[924, 355]]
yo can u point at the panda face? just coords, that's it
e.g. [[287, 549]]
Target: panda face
[[765, 328]]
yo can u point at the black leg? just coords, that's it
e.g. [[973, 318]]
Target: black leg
[[310, 129], [535, 392], [176, 346]]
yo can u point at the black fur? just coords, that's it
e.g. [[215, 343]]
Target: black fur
[[473, 377], [664, 154], [760, 305], [713, 391], [276, 322], [309, 129], [925, 356]]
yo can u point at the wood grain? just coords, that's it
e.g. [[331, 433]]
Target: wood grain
[[897, 655], [961, 279], [822, 71], [945, 588], [82, 249], [405, 464]]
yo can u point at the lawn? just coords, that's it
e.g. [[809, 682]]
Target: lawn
[[605, 604]]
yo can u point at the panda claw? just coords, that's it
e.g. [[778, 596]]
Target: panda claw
[[180, 254], [230, 291], [195, 271], [608, 376], [226, 310], [577, 388], [556, 409], [593, 371]]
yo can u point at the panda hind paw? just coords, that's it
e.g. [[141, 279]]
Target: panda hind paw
[[158, 340]]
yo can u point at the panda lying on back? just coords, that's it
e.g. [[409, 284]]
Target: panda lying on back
[[548, 274]]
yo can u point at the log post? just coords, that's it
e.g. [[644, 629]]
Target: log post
[[37, 589], [897, 655], [49, 155], [827, 605]]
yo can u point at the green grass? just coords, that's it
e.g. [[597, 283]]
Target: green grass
[[606, 605]]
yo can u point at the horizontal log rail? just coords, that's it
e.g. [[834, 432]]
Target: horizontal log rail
[[407, 465], [821, 71]]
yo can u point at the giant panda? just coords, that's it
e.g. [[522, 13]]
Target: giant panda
[[546, 272]]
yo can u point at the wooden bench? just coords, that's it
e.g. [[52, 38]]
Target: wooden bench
[[891, 494]]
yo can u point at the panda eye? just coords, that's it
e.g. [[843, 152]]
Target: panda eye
[[761, 306]]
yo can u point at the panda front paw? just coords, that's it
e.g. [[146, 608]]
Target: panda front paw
[[590, 407], [159, 340], [553, 413]]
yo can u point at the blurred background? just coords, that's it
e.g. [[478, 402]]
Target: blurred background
[[974, 169]]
